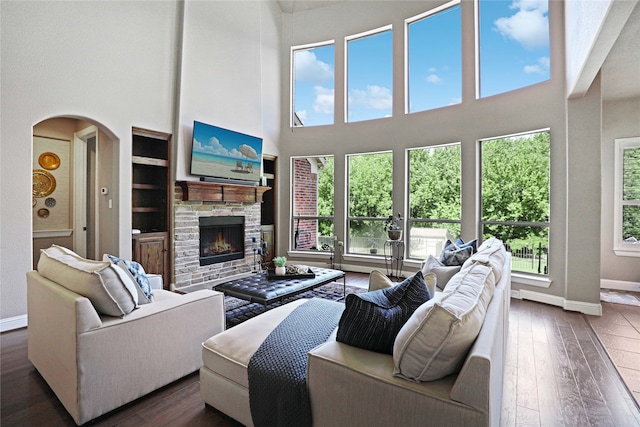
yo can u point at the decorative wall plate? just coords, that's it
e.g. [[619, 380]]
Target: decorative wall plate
[[49, 160], [34, 201], [43, 183], [50, 202], [43, 212]]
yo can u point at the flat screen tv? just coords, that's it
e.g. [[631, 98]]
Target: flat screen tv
[[222, 154]]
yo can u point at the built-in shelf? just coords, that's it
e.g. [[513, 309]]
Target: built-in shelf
[[216, 192]]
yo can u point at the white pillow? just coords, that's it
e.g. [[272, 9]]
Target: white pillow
[[106, 285], [378, 280], [437, 337], [443, 273]]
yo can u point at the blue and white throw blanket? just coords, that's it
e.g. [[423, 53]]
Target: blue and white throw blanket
[[278, 393]]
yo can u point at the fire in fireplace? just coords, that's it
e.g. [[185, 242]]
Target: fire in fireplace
[[221, 239]]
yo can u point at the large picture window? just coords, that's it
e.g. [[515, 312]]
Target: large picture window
[[369, 75], [370, 179], [513, 45], [434, 199], [515, 197], [312, 85], [627, 197], [312, 201], [434, 69]]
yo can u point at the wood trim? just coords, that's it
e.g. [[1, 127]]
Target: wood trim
[[198, 191]]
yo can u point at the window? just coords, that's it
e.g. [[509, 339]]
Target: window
[[370, 181], [627, 197], [369, 76], [434, 199], [515, 197], [312, 78], [312, 201], [513, 44], [434, 69]]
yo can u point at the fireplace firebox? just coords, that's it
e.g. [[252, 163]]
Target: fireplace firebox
[[221, 239]]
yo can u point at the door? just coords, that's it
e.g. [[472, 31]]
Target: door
[[85, 222]]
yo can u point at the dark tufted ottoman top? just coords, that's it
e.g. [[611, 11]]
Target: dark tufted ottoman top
[[256, 288]]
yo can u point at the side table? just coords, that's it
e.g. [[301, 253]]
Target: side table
[[394, 257]]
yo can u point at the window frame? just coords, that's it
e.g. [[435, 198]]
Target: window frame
[[541, 224], [621, 248], [409, 220], [292, 51], [413, 20], [294, 219], [348, 218], [353, 37]]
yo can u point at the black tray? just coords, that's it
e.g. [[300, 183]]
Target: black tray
[[271, 275]]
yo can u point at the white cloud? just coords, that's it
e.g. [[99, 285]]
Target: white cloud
[[302, 115], [434, 79], [308, 68], [375, 97], [529, 26], [324, 100], [540, 68], [211, 147], [455, 101]]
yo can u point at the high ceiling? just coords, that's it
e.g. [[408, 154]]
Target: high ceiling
[[620, 71]]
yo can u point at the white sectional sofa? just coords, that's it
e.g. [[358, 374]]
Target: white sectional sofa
[[351, 386], [95, 363]]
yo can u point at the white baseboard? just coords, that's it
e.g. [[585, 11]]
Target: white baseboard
[[620, 285], [12, 323], [594, 309]]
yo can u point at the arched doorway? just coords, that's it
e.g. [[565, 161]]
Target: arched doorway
[[75, 187]]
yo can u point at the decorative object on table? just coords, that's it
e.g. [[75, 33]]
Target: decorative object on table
[[254, 243], [43, 212], [392, 228], [292, 272], [373, 248], [50, 202], [49, 160], [279, 262], [43, 183]]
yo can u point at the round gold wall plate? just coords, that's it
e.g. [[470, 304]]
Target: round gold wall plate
[[49, 160], [43, 213], [43, 183]]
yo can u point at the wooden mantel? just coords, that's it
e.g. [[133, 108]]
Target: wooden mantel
[[216, 192]]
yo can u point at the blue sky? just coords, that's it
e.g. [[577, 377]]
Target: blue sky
[[514, 52]]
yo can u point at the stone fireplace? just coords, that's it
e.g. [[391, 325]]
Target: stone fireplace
[[196, 203]]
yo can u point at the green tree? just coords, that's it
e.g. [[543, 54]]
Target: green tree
[[325, 196], [515, 184]]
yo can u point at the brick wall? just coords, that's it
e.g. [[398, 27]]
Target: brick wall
[[305, 203]]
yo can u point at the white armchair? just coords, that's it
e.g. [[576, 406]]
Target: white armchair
[[96, 363]]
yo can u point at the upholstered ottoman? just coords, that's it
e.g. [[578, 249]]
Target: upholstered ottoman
[[224, 381]]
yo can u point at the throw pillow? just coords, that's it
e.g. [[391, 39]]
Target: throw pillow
[[105, 284], [443, 273], [434, 342], [453, 255], [378, 280], [471, 243], [373, 319], [137, 272], [142, 297]]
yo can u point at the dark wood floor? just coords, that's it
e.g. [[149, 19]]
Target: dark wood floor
[[557, 374]]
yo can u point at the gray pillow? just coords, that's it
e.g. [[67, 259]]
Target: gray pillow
[[443, 273], [107, 286]]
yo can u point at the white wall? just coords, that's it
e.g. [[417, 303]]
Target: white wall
[[621, 119], [112, 63], [119, 65], [230, 73]]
